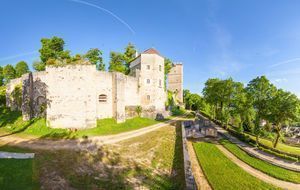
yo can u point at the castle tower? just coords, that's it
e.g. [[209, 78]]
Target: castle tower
[[175, 81], [149, 68]]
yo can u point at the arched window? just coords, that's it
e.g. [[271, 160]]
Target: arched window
[[102, 98]]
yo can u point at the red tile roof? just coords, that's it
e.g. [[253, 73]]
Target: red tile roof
[[151, 51]]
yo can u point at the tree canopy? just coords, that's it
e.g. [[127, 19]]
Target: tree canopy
[[21, 68], [9, 73], [95, 57]]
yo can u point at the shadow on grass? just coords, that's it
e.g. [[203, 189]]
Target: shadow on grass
[[8, 117]]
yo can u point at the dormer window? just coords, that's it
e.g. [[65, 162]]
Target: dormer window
[[102, 98]]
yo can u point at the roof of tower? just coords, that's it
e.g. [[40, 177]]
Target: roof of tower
[[151, 51]]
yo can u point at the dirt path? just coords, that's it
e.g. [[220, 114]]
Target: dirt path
[[78, 144], [200, 178], [257, 173]]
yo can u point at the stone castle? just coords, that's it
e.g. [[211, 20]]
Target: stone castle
[[75, 96]]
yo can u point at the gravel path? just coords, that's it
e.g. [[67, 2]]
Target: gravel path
[[200, 178], [78, 144], [257, 173]]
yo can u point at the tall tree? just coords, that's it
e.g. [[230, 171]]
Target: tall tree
[[21, 68], [129, 55], [9, 73], [1, 76], [284, 108], [117, 62], [52, 48], [261, 91], [211, 94], [95, 57]]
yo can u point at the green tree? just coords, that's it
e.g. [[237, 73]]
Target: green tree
[[9, 73], [95, 57], [284, 109], [1, 76], [211, 95], [2, 96], [168, 66], [129, 55], [261, 92], [52, 48], [21, 68], [117, 62]]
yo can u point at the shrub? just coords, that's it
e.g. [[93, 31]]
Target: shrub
[[2, 96], [138, 110], [176, 111]]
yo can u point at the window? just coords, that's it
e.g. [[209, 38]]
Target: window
[[148, 97], [148, 81], [159, 82], [160, 68], [102, 98], [148, 67]]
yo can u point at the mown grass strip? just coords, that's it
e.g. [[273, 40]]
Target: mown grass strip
[[275, 171], [222, 173]]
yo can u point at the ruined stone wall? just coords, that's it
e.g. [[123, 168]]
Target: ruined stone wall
[[104, 94], [175, 81], [10, 87], [71, 93]]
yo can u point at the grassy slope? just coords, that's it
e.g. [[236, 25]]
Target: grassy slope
[[263, 166], [280, 146], [153, 160], [11, 122], [223, 173]]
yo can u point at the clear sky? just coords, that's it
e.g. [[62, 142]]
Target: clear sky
[[213, 38]]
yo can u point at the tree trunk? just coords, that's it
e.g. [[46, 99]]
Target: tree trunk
[[277, 136], [257, 139]]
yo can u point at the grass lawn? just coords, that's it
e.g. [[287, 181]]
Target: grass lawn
[[222, 173], [11, 122], [261, 165], [17, 174], [280, 146]]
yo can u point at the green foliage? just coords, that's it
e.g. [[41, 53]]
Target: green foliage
[[39, 66], [177, 111], [168, 66], [139, 110], [129, 55], [1, 76], [2, 96], [95, 57], [283, 109], [18, 174], [263, 166], [170, 99], [9, 73], [52, 48], [21, 68], [117, 62], [222, 173]]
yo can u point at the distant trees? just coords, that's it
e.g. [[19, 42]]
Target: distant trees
[[247, 108], [120, 62], [21, 68], [1, 76], [94, 55], [9, 73]]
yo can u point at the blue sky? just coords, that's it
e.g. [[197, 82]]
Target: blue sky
[[213, 38]]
